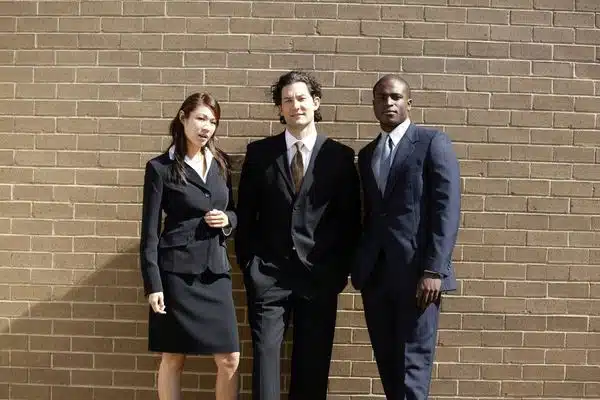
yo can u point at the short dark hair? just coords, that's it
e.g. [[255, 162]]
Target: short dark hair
[[313, 85], [393, 77]]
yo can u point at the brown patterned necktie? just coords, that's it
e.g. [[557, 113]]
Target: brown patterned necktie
[[297, 167]]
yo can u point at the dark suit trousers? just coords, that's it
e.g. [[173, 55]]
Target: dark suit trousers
[[313, 323], [403, 336]]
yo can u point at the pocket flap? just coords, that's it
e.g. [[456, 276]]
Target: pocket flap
[[174, 239]]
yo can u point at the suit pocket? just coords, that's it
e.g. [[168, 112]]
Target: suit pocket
[[219, 262], [175, 239], [259, 276]]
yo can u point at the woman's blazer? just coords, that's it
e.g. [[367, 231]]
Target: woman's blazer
[[184, 243]]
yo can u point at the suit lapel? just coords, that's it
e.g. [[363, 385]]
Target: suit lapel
[[283, 162], [368, 175], [374, 160], [213, 172], [405, 148], [195, 179], [309, 175]]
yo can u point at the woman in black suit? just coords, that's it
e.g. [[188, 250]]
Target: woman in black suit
[[184, 265]]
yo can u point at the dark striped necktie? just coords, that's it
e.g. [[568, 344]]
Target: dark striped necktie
[[297, 167]]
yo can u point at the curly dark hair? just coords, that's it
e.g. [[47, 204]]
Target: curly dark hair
[[314, 87]]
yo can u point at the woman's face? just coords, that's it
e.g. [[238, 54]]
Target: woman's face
[[199, 127]]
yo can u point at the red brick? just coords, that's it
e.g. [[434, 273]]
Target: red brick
[[553, 35], [543, 340], [522, 388], [496, 118], [510, 101], [492, 372], [511, 33], [487, 16], [554, 4], [315, 11], [402, 12], [570, 389], [574, 120], [466, 66], [530, 85], [550, 103], [481, 355], [355, 46], [492, 84], [356, 11], [424, 30], [478, 388], [28, 391], [488, 50], [530, 51], [586, 5]]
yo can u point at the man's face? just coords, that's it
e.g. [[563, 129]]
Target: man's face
[[391, 103], [297, 105]]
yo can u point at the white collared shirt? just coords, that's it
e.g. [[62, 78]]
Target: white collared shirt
[[306, 151], [397, 134], [196, 161]]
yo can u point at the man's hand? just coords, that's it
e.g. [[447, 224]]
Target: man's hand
[[157, 302], [428, 289]]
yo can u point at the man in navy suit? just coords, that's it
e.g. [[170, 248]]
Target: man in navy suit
[[411, 185]]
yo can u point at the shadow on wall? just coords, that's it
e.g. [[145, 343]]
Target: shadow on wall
[[83, 335], [74, 326]]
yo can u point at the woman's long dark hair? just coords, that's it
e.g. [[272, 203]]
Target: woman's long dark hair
[[179, 141]]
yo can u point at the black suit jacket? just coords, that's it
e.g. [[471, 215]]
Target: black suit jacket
[[304, 240], [186, 244]]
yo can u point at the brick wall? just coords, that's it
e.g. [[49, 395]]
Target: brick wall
[[86, 92]]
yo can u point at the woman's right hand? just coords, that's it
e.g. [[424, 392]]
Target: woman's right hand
[[157, 302]]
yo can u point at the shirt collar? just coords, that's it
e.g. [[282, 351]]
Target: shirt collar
[[207, 153], [399, 131], [309, 141]]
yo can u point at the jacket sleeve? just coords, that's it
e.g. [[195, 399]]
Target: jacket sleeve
[[350, 204], [444, 204], [247, 209], [230, 211], [151, 227]]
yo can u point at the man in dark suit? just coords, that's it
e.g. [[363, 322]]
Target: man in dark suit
[[298, 218], [411, 187]]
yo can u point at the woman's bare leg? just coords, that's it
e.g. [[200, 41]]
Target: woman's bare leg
[[227, 376], [169, 376]]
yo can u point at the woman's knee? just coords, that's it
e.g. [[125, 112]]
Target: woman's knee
[[172, 361], [227, 361]]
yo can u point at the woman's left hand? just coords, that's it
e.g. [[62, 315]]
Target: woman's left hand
[[216, 219]]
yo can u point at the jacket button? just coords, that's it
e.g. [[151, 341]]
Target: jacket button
[[293, 248]]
